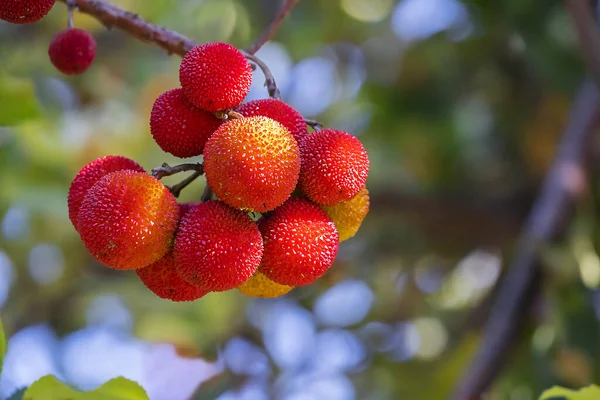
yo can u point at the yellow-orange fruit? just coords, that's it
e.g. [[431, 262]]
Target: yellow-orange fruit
[[349, 215], [280, 112], [217, 247], [24, 11], [162, 279], [127, 220], [260, 286], [89, 175], [252, 163], [335, 166]]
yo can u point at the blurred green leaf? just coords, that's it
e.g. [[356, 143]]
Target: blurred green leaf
[[19, 102], [50, 388], [591, 392]]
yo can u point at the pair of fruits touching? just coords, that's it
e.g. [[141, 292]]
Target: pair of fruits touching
[[71, 51], [305, 192]]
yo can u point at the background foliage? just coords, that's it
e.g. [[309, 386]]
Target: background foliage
[[460, 106]]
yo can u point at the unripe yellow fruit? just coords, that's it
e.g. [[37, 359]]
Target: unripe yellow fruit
[[349, 215], [260, 286]]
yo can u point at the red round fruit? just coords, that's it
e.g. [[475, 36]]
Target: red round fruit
[[280, 112], [334, 168], [89, 175], [24, 11], [185, 207], [178, 127], [72, 51], [162, 279], [300, 241], [217, 248], [252, 163], [128, 219], [215, 76]]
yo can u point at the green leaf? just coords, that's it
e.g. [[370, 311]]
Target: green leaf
[[19, 102], [50, 388], [591, 392], [2, 345]]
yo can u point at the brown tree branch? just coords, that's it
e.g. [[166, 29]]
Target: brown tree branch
[[269, 32], [167, 170], [177, 188], [547, 220]]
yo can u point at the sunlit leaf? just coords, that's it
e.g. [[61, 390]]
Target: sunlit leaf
[[50, 388], [591, 392], [2, 344]]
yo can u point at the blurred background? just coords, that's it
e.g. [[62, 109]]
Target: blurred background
[[460, 105]]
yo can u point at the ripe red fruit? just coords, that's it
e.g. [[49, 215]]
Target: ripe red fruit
[[334, 168], [128, 220], [178, 127], [301, 243], [162, 279], [72, 51], [215, 76], [24, 11], [217, 248], [185, 207], [89, 175], [252, 163], [280, 112]]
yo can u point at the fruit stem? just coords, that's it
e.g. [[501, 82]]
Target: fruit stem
[[167, 170], [207, 194], [316, 125], [269, 79], [176, 189], [71, 5]]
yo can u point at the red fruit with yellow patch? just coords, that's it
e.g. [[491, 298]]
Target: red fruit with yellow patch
[[335, 166], [24, 11], [280, 112], [217, 248], [128, 219], [178, 127], [72, 51], [215, 76], [300, 241], [252, 163], [162, 279], [89, 175]]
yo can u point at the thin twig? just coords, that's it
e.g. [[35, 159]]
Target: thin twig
[[207, 194], [269, 32], [316, 125], [167, 170], [269, 79], [176, 189], [548, 219]]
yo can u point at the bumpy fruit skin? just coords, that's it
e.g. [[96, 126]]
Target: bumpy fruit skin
[[162, 279], [349, 215], [128, 220], [280, 112], [260, 286], [24, 11], [90, 174], [335, 166], [301, 243], [215, 76], [72, 51], [217, 248], [178, 127], [252, 163], [185, 207]]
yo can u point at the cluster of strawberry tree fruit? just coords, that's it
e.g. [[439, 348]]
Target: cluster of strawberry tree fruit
[[71, 51], [279, 199]]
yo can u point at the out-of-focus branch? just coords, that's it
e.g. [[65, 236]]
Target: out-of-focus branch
[[588, 33], [548, 219], [270, 30]]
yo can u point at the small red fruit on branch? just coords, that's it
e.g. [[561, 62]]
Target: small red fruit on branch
[[72, 51]]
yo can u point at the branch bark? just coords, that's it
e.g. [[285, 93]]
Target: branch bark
[[548, 219]]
